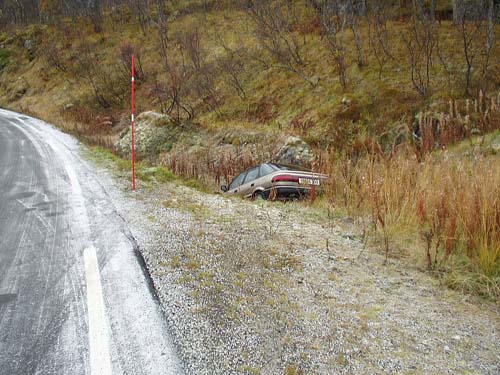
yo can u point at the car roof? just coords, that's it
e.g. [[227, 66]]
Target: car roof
[[288, 167], [278, 167]]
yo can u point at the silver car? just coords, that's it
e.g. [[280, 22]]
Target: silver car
[[275, 181]]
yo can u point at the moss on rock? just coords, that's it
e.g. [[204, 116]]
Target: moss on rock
[[154, 133]]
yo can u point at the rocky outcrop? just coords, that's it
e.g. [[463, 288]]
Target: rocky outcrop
[[154, 133], [157, 134], [495, 145], [295, 151]]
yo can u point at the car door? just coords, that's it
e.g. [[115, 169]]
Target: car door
[[235, 185], [248, 185]]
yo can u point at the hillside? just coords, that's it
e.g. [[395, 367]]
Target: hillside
[[230, 70], [234, 82]]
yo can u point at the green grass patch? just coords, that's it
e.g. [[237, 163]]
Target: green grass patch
[[4, 59], [144, 172], [488, 144], [196, 184], [155, 174]]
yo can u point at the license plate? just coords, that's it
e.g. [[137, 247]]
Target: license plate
[[309, 181]]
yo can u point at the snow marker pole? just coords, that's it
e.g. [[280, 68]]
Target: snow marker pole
[[133, 122]]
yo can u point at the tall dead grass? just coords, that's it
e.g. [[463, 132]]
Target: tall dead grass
[[214, 165], [449, 202], [96, 130], [452, 205], [462, 120]]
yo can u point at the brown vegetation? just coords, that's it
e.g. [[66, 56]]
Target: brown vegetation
[[447, 203]]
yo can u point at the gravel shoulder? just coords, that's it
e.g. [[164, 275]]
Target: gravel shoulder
[[270, 288]]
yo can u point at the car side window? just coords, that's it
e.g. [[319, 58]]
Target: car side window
[[252, 175], [237, 181]]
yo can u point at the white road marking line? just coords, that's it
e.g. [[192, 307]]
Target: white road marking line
[[100, 360]]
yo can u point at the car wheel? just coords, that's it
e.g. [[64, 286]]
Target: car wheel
[[258, 195]]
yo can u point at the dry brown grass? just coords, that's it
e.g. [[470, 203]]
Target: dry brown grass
[[463, 119], [449, 204], [208, 168]]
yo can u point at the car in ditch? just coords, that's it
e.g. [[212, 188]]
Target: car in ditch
[[275, 181]]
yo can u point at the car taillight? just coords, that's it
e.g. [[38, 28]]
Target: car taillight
[[285, 178]]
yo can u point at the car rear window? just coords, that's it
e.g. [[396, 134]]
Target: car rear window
[[266, 169]]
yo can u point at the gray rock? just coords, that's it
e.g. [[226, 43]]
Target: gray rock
[[295, 151], [153, 133], [495, 145], [28, 43]]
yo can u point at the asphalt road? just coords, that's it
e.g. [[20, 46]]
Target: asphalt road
[[74, 296]]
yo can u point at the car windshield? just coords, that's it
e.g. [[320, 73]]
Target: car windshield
[[237, 181]]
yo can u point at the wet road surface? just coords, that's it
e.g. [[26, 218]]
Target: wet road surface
[[74, 296]]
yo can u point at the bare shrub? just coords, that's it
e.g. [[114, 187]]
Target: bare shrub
[[335, 16], [174, 82], [475, 26], [274, 25], [200, 71], [378, 35], [232, 66], [54, 57], [421, 38], [125, 52], [142, 11], [157, 92], [107, 85]]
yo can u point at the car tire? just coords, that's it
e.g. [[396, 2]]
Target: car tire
[[258, 196]]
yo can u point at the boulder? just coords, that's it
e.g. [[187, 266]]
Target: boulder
[[154, 133], [296, 152], [346, 101], [495, 145], [28, 44]]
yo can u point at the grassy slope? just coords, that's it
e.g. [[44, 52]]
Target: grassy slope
[[377, 102]]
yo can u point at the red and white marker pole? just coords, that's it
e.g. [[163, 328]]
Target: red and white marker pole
[[133, 123]]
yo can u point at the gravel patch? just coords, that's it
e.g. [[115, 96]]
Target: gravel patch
[[271, 288]]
